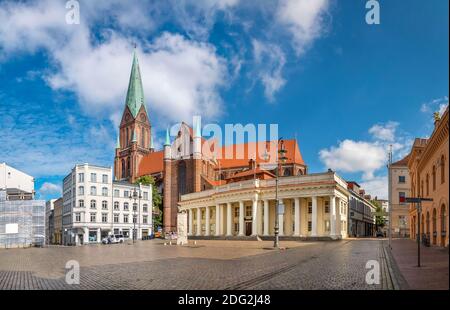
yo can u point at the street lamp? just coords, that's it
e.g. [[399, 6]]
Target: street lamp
[[281, 158], [135, 195]]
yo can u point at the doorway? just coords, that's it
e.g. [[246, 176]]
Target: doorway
[[248, 228]]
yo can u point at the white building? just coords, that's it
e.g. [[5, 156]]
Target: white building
[[12, 178], [94, 206], [49, 223]]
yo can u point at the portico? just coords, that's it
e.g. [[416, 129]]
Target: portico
[[315, 205]]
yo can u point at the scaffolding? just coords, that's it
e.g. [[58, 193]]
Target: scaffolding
[[22, 222]]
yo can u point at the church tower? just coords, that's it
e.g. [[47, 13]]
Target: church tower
[[135, 135]]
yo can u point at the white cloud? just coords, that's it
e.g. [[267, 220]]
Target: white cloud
[[376, 187], [384, 132], [304, 19], [50, 189], [355, 156], [180, 76], [271, 60], [435, 105]]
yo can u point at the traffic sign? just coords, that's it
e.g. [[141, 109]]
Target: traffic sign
[[417, 199]]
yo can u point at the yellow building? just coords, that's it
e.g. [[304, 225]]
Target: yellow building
[[57, 218], [428, 166], [400, 188]]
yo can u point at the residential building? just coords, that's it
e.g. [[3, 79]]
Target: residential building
[[94, 206], [57, 220], [315, 207], [400, 188], [11, 178], [428, 170], [22, 219], [49, 220], [361, 216]]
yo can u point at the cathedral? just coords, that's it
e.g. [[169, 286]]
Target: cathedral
[[182, 167]]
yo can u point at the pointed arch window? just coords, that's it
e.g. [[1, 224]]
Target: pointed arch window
[[434, 177], [142, 136], [442, 169], [428, 184], [182, 178], [127, 138], [128, 167], [123, 168]]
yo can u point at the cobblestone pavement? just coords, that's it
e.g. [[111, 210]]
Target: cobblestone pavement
[[206, 265]]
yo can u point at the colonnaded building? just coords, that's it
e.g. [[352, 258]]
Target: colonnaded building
[[228, 190]]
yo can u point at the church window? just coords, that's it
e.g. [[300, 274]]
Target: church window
[[182, 178], [442, 169], [127, 138], [128, 167], [123, 168]]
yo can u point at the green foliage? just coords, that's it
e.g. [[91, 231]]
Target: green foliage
[[379, 214], [156, 197]]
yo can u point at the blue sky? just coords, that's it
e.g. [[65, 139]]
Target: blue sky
[[344, 88]]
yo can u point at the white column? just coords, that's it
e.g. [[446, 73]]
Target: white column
[[191, 222], [314, 217], [266, 217], [229, 219], [297, 217], [241, 218], [99, 235], [217, 220], [208, 226], [281, 223], [223, 226], [255, 216], [333, 216], [199, 222]]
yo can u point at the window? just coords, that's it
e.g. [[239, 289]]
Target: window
[[116, 193], [401, 179], [93, 190], [402, 221], [81, 190], [125, 218], [80, 177], [236, 226], [144, 219], [236, 212], [182, 189], [309, 226], [126, 194], [104, 205], [203, 214], [427, 184], [145, 195], [327, 207], [125, 206], [93, 217], [134, 206], [442, 169], [77, 217], [105, 178], [81, 203], [116, 218], [104, 191], [134, 219], [93, 177], [116, 205], [116, 231], [248, 211], [104, 217], [145, 208], [434, 177], [93, 204], [401, 197], [327, 225]]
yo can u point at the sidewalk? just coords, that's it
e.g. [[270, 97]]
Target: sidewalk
[[433, 273]]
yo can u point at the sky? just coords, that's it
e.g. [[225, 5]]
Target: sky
[[345, 89]]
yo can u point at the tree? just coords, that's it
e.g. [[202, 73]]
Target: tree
[[156, 199], [379, 214]]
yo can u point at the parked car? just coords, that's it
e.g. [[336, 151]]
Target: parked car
[[113, 239], [379, 234]]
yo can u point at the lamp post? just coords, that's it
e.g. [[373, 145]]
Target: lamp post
[[135, 196], [281, 158]]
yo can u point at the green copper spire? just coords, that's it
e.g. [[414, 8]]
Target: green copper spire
[[118, 142], [134, 136], [167, 143], [135, 93]]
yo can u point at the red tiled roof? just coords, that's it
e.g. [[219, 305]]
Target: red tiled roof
[[152, 163], [250, 151], [402, 162]]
